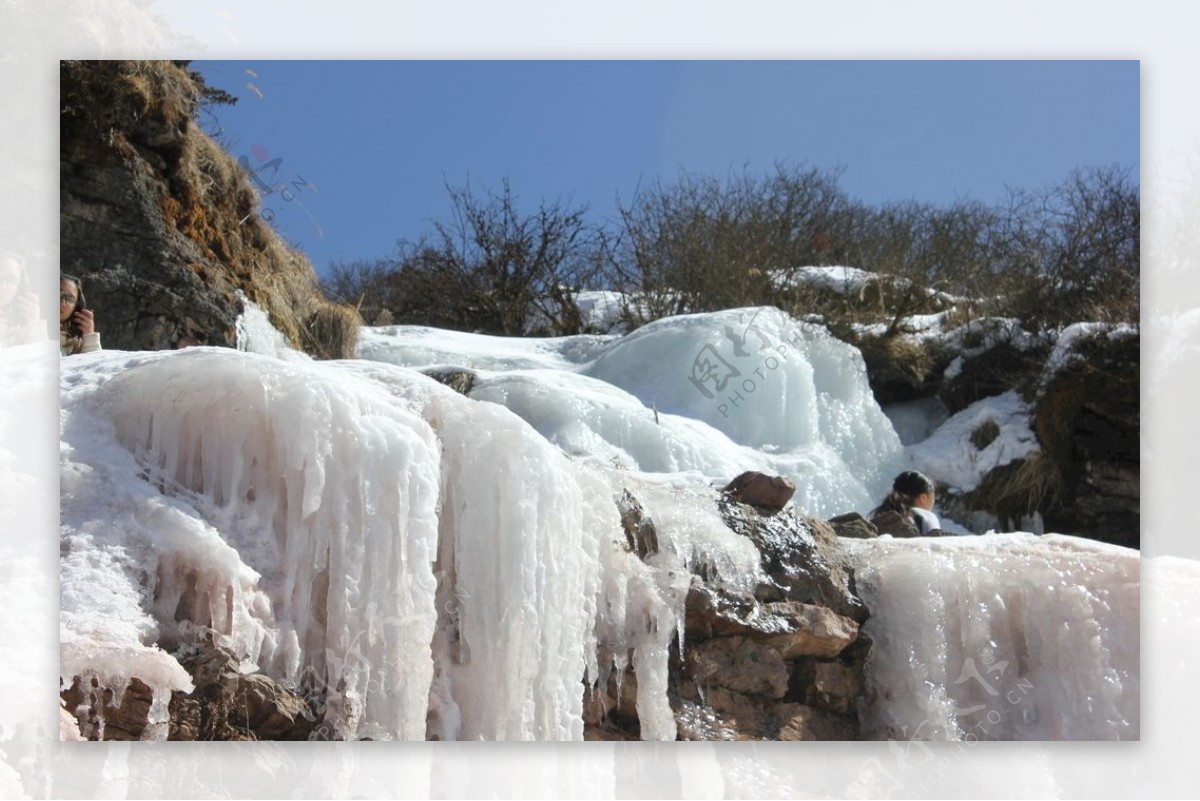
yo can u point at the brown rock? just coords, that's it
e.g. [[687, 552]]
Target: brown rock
[[794, 628], [768, 494], [185, 717], [695, 721], [832, 686], [740, 664], [591, 735], [854, 526], [894, 523], [102, 715], [802, 557], [610, 711], [230, 705], [800, 722], [640, 533], [728, 715], [816, 630], [713, 611], [459, 379], [746, 718], [837, 680], [271, 712]]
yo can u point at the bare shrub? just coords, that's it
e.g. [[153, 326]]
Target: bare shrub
[[490, 267], [701, 244], [1071, 252]]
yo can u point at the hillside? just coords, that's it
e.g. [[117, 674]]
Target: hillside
[[163, 226]]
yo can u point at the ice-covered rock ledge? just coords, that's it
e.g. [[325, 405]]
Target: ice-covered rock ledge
[[408, 562]]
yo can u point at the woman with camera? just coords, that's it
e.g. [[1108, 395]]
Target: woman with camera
[[77, 325]]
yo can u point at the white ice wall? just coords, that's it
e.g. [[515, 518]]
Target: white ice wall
[[231, 490], [1002, 637]]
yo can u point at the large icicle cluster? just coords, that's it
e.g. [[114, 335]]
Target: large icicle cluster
[[291, 515], [422, 563]]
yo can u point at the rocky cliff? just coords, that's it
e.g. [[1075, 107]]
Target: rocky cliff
[[162, 225], [1081, 384]]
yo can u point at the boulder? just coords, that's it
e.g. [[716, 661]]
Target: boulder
[[102, 715], [1087, 419], [814, 630], [801, 557], [894, 523], [227, 704], [712, 611], [459, 379], [854, 526], [768, 494]]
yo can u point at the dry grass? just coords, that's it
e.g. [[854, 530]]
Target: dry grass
[[901, 359], [1018, 489], [208, 197], [984, 434], [331, 332]]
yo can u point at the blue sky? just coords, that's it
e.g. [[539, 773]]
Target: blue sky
[[367, 146]]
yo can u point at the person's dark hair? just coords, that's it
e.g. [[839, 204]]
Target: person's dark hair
[[73, 330], [905, 489]]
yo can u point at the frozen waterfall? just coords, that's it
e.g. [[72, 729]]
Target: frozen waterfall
[[431, 565]]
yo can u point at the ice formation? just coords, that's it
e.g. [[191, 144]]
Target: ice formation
[[433, 565], [255, 334], [359, 531], [291, 515], [1004, 637], [715, 393]]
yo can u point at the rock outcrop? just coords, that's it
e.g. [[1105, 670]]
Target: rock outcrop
[[784, 662], [1083, 386], [225, 704], [163, 226], [1087, 418]]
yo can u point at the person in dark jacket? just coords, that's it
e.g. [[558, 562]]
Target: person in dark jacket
[[907, 511]]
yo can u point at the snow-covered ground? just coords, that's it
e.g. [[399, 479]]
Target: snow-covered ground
[[470, 545]]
